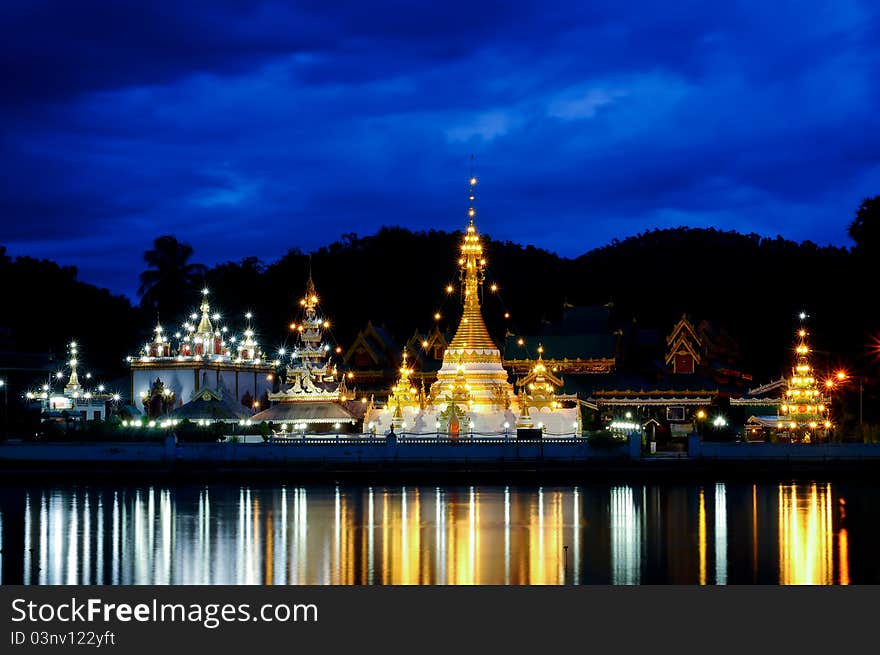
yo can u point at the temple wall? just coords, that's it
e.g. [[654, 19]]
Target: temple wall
[[183, 381], [558, 422]]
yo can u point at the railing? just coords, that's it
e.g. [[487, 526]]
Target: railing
[[368, 439]]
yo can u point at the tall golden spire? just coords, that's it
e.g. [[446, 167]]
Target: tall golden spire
[[472, 332], [73, 383], [205, 326]]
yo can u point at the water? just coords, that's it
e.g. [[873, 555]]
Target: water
[[720, 533]]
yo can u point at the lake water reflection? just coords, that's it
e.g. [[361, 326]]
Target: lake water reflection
[[792, 533]]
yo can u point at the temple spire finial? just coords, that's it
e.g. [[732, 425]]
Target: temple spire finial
[[205, 327], [73, 382], [472, 196]]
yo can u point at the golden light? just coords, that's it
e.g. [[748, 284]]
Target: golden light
[[314, 298], [802, 333], [520, 342], [269, 377], [506, 314], [437, 316], [450, 288], [338, 349], [424, 344], [473, 181], [540, 349], [256, 404], [326, 324], [350, 376], [841, 375], [493, 288], [701, 414], [829, 383]]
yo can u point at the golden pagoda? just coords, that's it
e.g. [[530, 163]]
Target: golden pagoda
[[539, 386], [404, 394], [472, 355], [804, 410], [472, 394]]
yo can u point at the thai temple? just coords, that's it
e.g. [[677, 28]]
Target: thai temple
[[804, 409], [472, 394], [224, 374], [75, 400], [312, 395]]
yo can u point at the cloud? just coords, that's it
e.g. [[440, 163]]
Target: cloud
[[287, 124]]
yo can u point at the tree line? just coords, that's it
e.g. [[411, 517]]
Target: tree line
[[751, 286]]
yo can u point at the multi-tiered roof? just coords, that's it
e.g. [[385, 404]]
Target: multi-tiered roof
[[803, 412], [313, 391], [203, 338]]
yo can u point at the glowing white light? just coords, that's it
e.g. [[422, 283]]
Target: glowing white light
[[624, 425]]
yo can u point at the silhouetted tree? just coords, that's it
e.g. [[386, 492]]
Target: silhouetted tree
[[865, 228], [167, 284]]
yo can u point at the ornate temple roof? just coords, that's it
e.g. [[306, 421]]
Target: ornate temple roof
[[207, 341]]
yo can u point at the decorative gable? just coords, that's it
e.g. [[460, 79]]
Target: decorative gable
[[683, 347]]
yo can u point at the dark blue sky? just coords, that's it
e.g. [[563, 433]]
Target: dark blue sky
[[247, 128]]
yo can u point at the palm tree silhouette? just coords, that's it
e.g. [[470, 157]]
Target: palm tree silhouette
[[168, 283]]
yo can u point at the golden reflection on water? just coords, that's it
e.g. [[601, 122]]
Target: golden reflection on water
[[434, 535], [806, 536]]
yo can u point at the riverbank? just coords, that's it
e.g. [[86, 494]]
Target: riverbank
[[423, 459]]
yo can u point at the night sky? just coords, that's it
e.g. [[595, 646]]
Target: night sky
[[248, 128]]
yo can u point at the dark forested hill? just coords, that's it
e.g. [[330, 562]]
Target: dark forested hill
[[749, 285]]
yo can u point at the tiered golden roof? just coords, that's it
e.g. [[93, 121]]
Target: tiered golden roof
[[804, 407], [540, 385]]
